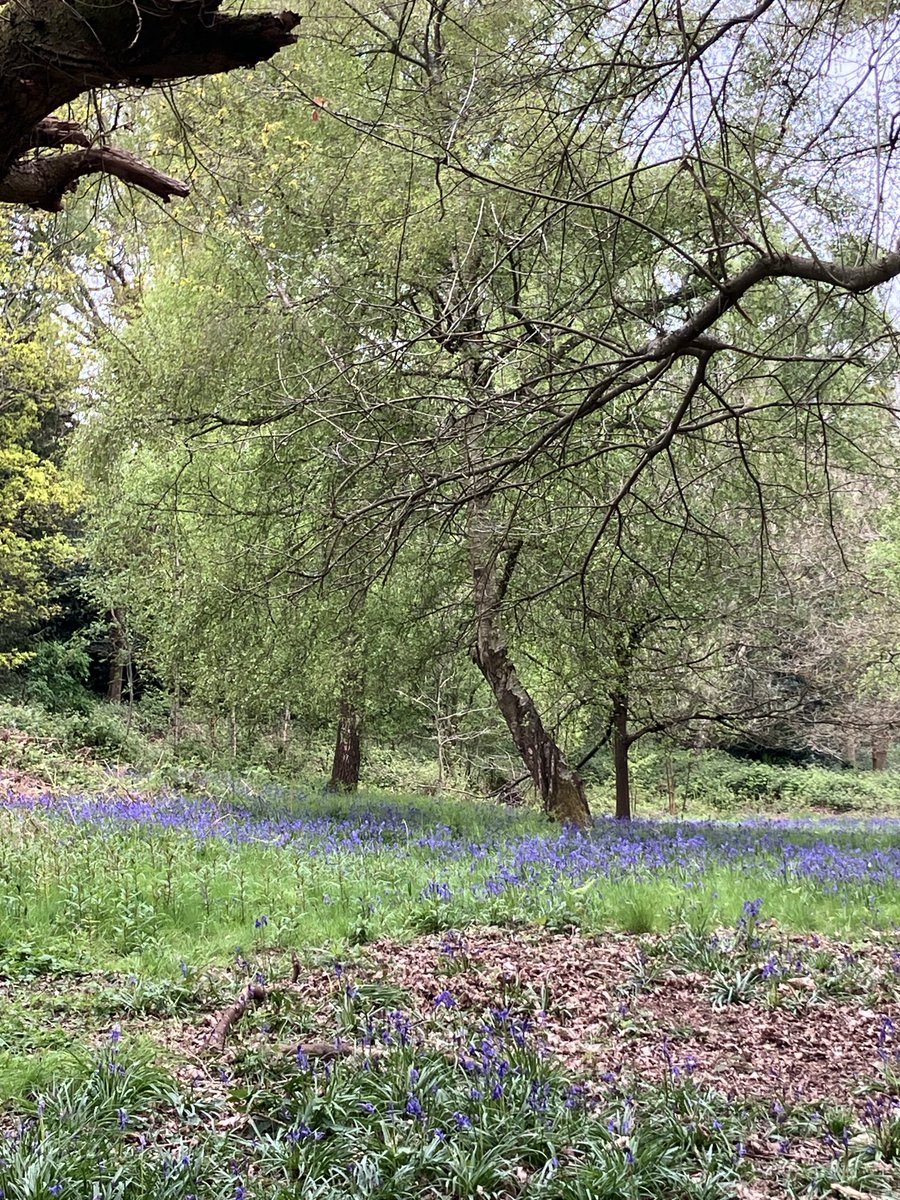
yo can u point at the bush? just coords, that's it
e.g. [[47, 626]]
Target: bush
[[56, 676], [714, 782], [66, 751], [102, 729]]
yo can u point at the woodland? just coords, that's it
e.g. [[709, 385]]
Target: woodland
[[449, 600], [507, 384]]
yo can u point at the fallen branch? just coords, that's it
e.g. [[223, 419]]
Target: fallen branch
[[253, 995], [323, 1051]]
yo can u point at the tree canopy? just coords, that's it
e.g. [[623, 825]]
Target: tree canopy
[[564, 332]]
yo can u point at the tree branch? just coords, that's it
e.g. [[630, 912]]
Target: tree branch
[[43, 181], [51, 53], [55, 132]]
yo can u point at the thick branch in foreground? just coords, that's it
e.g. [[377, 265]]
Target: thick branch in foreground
[[42, 182], [51, 53]]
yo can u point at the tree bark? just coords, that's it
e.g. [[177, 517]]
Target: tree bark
[[116, 679], [559, 786], [347, 750], [51, 53], [621, 746], [880, 746], [851, 749]]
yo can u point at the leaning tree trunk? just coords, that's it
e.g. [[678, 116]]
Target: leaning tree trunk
[[347, 752], [559, 786], [621, 746]]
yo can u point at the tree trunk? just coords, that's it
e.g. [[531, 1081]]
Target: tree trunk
[[559, 786], [115, 682], [880, 746], [851, 748], [670, 787], [347, 753], [621, 746]]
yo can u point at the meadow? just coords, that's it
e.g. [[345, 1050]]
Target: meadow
[[279, 994]]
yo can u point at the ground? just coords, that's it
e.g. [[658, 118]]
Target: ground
[[413, 1054]]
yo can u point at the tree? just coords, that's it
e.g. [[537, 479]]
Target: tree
[[38, 503], [51, 53], [615, 253]]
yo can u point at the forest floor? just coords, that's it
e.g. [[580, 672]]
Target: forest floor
[[378, 1040]]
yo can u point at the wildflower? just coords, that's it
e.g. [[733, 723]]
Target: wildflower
[[462, 1121], [414, 1107], [453, 943], [538, 1096], [55, 1188], [262, 921], [122, 1117], [436, 890], [115, 1035], [444, 1000]]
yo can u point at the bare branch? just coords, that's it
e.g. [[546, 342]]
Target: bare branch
[[43, 181]]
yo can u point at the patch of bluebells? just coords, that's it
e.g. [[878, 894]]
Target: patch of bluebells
[[831, 856]]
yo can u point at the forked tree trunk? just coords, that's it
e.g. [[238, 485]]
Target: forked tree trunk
[[559, 786], [621, 746], [347, 752]]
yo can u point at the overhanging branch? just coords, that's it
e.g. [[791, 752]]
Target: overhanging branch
[[51, 53], [42, 182]]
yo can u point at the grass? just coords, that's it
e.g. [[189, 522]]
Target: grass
[[129, 883], [149, 912]]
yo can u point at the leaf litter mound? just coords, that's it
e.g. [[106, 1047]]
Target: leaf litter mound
[[603, 1013], [619, 1005]]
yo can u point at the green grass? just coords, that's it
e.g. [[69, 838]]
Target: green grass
[[77, 896]]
